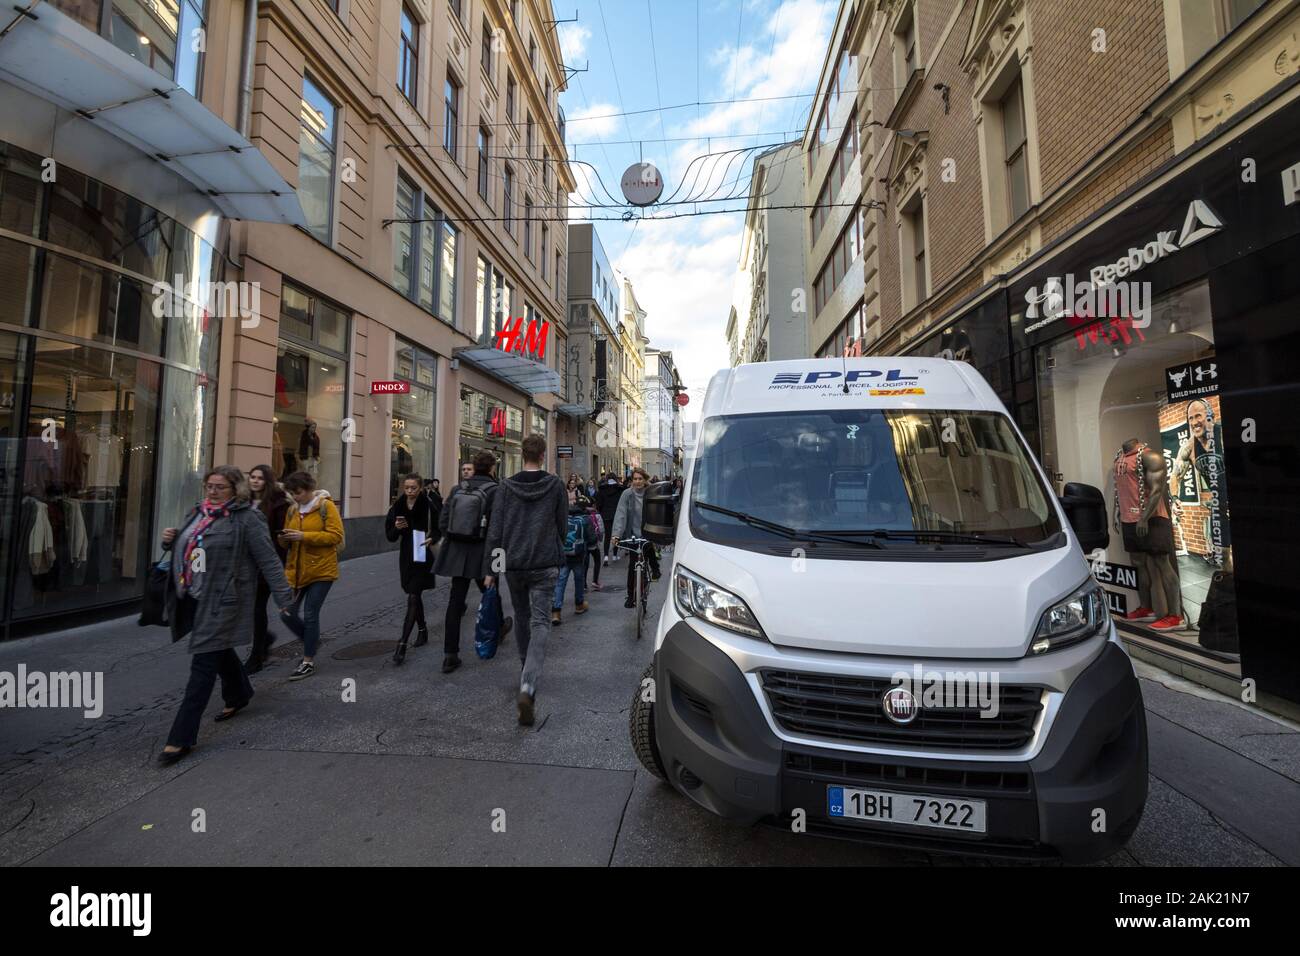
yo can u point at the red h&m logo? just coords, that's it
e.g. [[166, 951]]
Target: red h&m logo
[[530, 342], [497, 423]]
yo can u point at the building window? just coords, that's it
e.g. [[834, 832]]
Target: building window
[[316, 147], [514, 11], [916, 286], [412, 422], [548, 93], [408, 64], [906, 56], [510, 96], [507, 199], [169, 41], [310, 389], [541, 257], [484, 141], [560, 119], [486, 55], [1015, 150], [532, 54], [528, 226], [456, 8], [1232, 13], [424, 258], [528, 137], [451, 114]]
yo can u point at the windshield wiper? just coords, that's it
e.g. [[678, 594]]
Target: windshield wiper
[[795, 533], [976, 537]]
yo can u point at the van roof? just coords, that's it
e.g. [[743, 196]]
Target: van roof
[[873, 381]]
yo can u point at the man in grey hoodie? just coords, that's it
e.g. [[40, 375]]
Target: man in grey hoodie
[[525, 538]]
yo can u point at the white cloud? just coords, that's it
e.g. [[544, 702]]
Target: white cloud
[[573, 41], [593, 121]]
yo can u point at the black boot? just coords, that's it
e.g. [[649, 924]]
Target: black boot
[[399, 654], [421, 637]]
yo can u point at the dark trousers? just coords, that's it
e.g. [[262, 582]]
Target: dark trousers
[[609, 528], [261, 634], [414, 615], [456, 607], [594, 558], [652, 560], [236, 691]]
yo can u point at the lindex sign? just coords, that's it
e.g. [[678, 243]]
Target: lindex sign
[[390, 388]]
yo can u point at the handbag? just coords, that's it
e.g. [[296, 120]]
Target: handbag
[[153, 606], [487, 633]]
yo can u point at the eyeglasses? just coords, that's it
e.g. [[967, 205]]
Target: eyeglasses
[[215, 487]]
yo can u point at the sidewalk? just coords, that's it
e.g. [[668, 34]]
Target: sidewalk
[[424, 768]]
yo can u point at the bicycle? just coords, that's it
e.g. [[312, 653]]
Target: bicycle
[[640, 578]]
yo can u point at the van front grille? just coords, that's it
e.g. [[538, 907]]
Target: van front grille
[[851, 709]]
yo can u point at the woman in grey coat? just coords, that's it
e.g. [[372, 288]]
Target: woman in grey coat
[[217, 554]]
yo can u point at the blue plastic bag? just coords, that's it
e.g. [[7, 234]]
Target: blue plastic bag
[[487, 626]]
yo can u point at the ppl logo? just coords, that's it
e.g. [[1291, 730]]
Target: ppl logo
[[801, 379]]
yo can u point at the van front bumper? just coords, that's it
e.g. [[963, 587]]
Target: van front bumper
[[1078, 798]]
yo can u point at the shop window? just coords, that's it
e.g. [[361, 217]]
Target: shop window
[[83, 514], [412, 434], [1133, 408], [90, 302], [316, 155], [311, 390]]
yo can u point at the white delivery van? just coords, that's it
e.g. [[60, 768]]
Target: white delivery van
[[881, 624]]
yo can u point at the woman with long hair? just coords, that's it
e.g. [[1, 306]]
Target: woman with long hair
[[413, 520], [217, 553], [313, 531], [269, 498]]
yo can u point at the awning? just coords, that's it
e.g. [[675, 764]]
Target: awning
[[575, 411], [515, 370], [54, 57]]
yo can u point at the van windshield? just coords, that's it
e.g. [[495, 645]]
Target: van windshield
[[963, 475]]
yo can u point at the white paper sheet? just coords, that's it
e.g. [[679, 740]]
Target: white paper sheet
[[418, 546]]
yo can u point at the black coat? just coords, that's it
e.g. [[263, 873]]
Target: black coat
[[465, 559], [423, 517], [607, 496]]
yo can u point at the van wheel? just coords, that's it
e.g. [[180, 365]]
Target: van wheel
[[641, 727]]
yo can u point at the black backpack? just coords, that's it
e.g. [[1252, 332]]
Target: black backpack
[[467, 514]]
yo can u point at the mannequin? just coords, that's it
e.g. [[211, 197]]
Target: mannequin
[[309, 448], [1129, 492], [1155, 533]]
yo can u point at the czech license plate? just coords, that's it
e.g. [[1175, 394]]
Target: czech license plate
[[908, 809]]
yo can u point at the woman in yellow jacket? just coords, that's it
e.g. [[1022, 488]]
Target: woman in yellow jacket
[[313, 531]]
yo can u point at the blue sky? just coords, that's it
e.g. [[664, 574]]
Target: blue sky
[[760, 59]]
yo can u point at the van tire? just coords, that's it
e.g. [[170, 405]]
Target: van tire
[[641, 728]]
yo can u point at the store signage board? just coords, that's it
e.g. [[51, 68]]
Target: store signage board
[[390, 388], [527, 340], [1117, 602], [1192, 380], [563, 451], [1120, 575]]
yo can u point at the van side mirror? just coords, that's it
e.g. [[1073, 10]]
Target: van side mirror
[[1085, 508], [659, 513]]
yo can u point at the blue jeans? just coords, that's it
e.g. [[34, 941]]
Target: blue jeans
[[579, 573], [310, 599]]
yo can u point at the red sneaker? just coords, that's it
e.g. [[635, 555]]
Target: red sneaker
[[1167, 623], [1139, 614]]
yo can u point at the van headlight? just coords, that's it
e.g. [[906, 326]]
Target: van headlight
[[1076, 618], [696, 597]]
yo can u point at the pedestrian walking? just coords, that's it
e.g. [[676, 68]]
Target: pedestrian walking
[[628, 524], [269, 498], [413, 521], [579, 538], [217, 553], [313, 532], [529, 521], [433, 489], [593, 552], [607, 497], [571, 489], [466, 470], [463, 556]]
